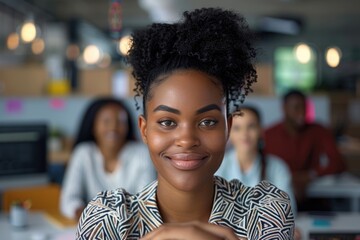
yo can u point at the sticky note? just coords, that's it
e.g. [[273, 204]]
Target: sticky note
[[57, 103], [13, 106]]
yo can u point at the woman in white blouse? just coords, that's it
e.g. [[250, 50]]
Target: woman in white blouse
[[246, 161], [105, 157]]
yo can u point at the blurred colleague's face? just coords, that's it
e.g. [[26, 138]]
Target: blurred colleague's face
[[110, 128], [245, 132], [294, 110]]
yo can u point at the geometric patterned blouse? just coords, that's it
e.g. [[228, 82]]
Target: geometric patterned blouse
[[261, 212]]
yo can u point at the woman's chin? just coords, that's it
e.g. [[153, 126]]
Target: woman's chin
[[188, 182]]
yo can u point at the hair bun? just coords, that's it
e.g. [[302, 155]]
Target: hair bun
[[219, 40]]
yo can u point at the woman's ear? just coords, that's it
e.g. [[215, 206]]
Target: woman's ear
[[142, 127], [229, 125]]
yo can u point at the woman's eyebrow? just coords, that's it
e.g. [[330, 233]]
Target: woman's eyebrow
[[167, 109], [208, 108]]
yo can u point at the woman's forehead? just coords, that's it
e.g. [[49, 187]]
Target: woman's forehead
[[190, 89]]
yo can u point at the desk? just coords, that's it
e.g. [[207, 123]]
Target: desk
[[337, 186], [339, 222], [38, 229]]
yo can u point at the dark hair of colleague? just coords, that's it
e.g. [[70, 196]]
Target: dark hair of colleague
[[293, 93], [86, 130]]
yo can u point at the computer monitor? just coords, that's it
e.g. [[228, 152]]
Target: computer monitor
[[23, 149]]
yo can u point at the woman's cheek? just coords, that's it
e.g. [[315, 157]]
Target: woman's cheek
[[157, 141], [215, 142]]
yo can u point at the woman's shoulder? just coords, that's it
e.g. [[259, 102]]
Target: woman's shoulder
[[235, 187], [134, 147], [110, 209], [111, 200], [83, 152], [117, 209], [251, 205], [276, 164], [261, 195], [84, 147]]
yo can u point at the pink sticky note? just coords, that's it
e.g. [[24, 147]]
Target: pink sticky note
[[310, 111], [13, 106], [57, 103]]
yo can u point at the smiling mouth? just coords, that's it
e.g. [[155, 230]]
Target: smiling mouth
[[187, 161], [112, 136]]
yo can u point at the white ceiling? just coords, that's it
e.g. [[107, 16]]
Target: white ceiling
[[320, 16]]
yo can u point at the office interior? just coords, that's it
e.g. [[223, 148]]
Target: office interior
[[57, 56]]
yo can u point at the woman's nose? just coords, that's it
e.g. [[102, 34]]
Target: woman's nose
[[187, 137]]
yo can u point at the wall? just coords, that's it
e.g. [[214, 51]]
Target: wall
[[65, 113]]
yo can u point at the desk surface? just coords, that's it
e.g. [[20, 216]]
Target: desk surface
[[38, 229], [338, 222], [335, 185]]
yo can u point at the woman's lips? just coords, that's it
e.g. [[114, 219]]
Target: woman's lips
[[187, 161], [112, 136]]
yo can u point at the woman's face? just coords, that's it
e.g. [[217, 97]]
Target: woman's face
[[186, 129], [245, 132], [110, 127]]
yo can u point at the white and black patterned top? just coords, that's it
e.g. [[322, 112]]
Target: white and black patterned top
[[262, 212]]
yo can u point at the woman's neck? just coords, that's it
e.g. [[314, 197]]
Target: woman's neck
[[110, 156], [178, 206], [246, 159]]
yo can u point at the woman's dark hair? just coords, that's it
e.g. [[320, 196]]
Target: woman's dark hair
[[86, 130], [261, 144], [252, 109], [212, 40]]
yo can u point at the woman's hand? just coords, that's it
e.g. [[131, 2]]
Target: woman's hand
[[193, 231]]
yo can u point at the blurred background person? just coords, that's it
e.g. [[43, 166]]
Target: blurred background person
[[105, 156], [309, 149], [246, 160]]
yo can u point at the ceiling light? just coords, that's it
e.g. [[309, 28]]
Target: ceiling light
[[28, 31], [303, 53], [38, 46], [333, 57], [12, 41], [92, 54], [125, 44]]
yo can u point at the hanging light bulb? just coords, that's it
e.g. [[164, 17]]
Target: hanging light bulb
[[333, 57], [12, 41], [125, 45], [303, 53], [38, 46], [92, 54], [28, 31]]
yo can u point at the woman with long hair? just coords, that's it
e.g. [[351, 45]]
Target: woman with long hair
[[246, 160], [105, 156]]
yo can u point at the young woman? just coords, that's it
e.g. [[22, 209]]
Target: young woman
[[246, 160], [105, 157], [188, 73]]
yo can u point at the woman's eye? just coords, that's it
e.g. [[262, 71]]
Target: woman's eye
[[167, 123], [208, 123]]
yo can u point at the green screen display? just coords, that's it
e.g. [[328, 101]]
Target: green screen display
[[290, 73]]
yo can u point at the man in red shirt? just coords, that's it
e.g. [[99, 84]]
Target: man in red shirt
[[309, 149]]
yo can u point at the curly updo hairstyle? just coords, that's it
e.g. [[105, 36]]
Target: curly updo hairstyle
[[215, 41]]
